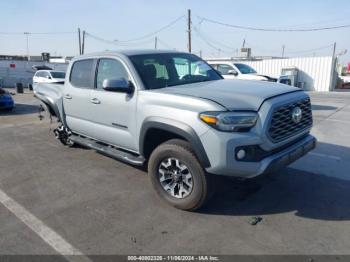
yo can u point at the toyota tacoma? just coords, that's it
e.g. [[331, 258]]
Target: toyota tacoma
[[174, 114]]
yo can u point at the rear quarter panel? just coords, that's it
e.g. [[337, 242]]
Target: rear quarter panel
[[52, 95]]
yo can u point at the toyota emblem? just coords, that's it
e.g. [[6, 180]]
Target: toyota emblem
[[297, 114]]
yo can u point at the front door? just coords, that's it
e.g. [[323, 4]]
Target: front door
[[113, 113]]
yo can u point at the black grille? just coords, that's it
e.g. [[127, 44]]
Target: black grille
[[282, 125]]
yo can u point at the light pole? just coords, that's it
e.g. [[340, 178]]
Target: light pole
[[27, 38]]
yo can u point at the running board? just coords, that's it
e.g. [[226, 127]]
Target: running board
[[108, 150]]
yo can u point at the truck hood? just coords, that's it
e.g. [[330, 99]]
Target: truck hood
[[232, 94]]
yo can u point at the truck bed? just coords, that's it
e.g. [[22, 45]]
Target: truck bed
[[51, 95]]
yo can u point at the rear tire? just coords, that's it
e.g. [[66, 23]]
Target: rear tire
[[62, 133], [178, 177]]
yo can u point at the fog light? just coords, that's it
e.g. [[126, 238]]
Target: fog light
[[241, 154]]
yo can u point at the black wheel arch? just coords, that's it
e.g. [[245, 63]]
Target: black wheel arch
[[179, 130]]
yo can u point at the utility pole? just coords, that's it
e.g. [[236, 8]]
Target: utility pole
[[200, 53], [334, 62], [155, 42], [189, 30], [243, 45], [27, 39], [79, 39], [83, 44], [283, 47], [334, 49]]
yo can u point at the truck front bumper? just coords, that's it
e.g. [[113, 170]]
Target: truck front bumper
[[289, 155], [224, 162]]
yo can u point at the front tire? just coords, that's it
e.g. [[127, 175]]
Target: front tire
[[178, 177]]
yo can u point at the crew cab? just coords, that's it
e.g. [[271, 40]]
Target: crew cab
[[174, 114], [235, 70]]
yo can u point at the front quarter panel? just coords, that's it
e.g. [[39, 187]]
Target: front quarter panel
[[174, 110]]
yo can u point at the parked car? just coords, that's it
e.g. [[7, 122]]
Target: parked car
[[49, 76], [172, 111], [6, 101], [232, 70]]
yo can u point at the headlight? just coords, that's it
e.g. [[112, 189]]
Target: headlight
[[230, 121]]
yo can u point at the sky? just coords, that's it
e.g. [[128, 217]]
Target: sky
[[122, 20]]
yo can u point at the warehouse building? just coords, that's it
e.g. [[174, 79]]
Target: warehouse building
[[19, 69], [309, 73]]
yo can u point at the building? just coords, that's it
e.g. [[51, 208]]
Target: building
[[19, 69], [314, 73]]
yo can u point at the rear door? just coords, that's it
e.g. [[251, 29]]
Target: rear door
[[76, 96]]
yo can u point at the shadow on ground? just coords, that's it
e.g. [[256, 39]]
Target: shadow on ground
[[323, 107], [290, 190], [20, 109]]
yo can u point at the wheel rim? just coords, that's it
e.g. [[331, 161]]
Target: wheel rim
[[175, 177]]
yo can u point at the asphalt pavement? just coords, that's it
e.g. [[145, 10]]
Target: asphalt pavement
[[56, 199]]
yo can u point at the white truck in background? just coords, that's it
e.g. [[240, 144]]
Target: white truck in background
[[238, 70]]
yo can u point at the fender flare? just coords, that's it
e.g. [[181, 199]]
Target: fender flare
[[49, 104], [179, 128]]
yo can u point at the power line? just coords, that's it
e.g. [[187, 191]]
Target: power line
[[211, 43], [154, 32], [345, 20], [199, 29], [274, 29], [215, 42], [117, 43], [36, 33], [205, 40], [165, 44]]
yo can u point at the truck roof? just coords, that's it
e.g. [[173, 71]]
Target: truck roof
[[129, 52]]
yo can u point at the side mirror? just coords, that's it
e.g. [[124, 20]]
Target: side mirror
[[48, 77], [118, 85], [232, 72]]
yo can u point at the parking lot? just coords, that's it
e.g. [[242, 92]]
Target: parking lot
[[97, 205]]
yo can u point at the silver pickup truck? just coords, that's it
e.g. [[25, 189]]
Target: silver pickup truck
[[172, 112]]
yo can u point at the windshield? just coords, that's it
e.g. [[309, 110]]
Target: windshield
[[172, 69], [245, 69], [58, 74]]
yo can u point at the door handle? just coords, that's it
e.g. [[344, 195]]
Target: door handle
[[67, 96], [95, 101]]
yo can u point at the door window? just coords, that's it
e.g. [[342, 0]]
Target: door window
[[224, 69], [82, 74], [45, 75], [110, 69], [39, 74]]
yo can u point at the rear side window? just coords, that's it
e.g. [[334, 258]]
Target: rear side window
[[58, 74], [82, 74]]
